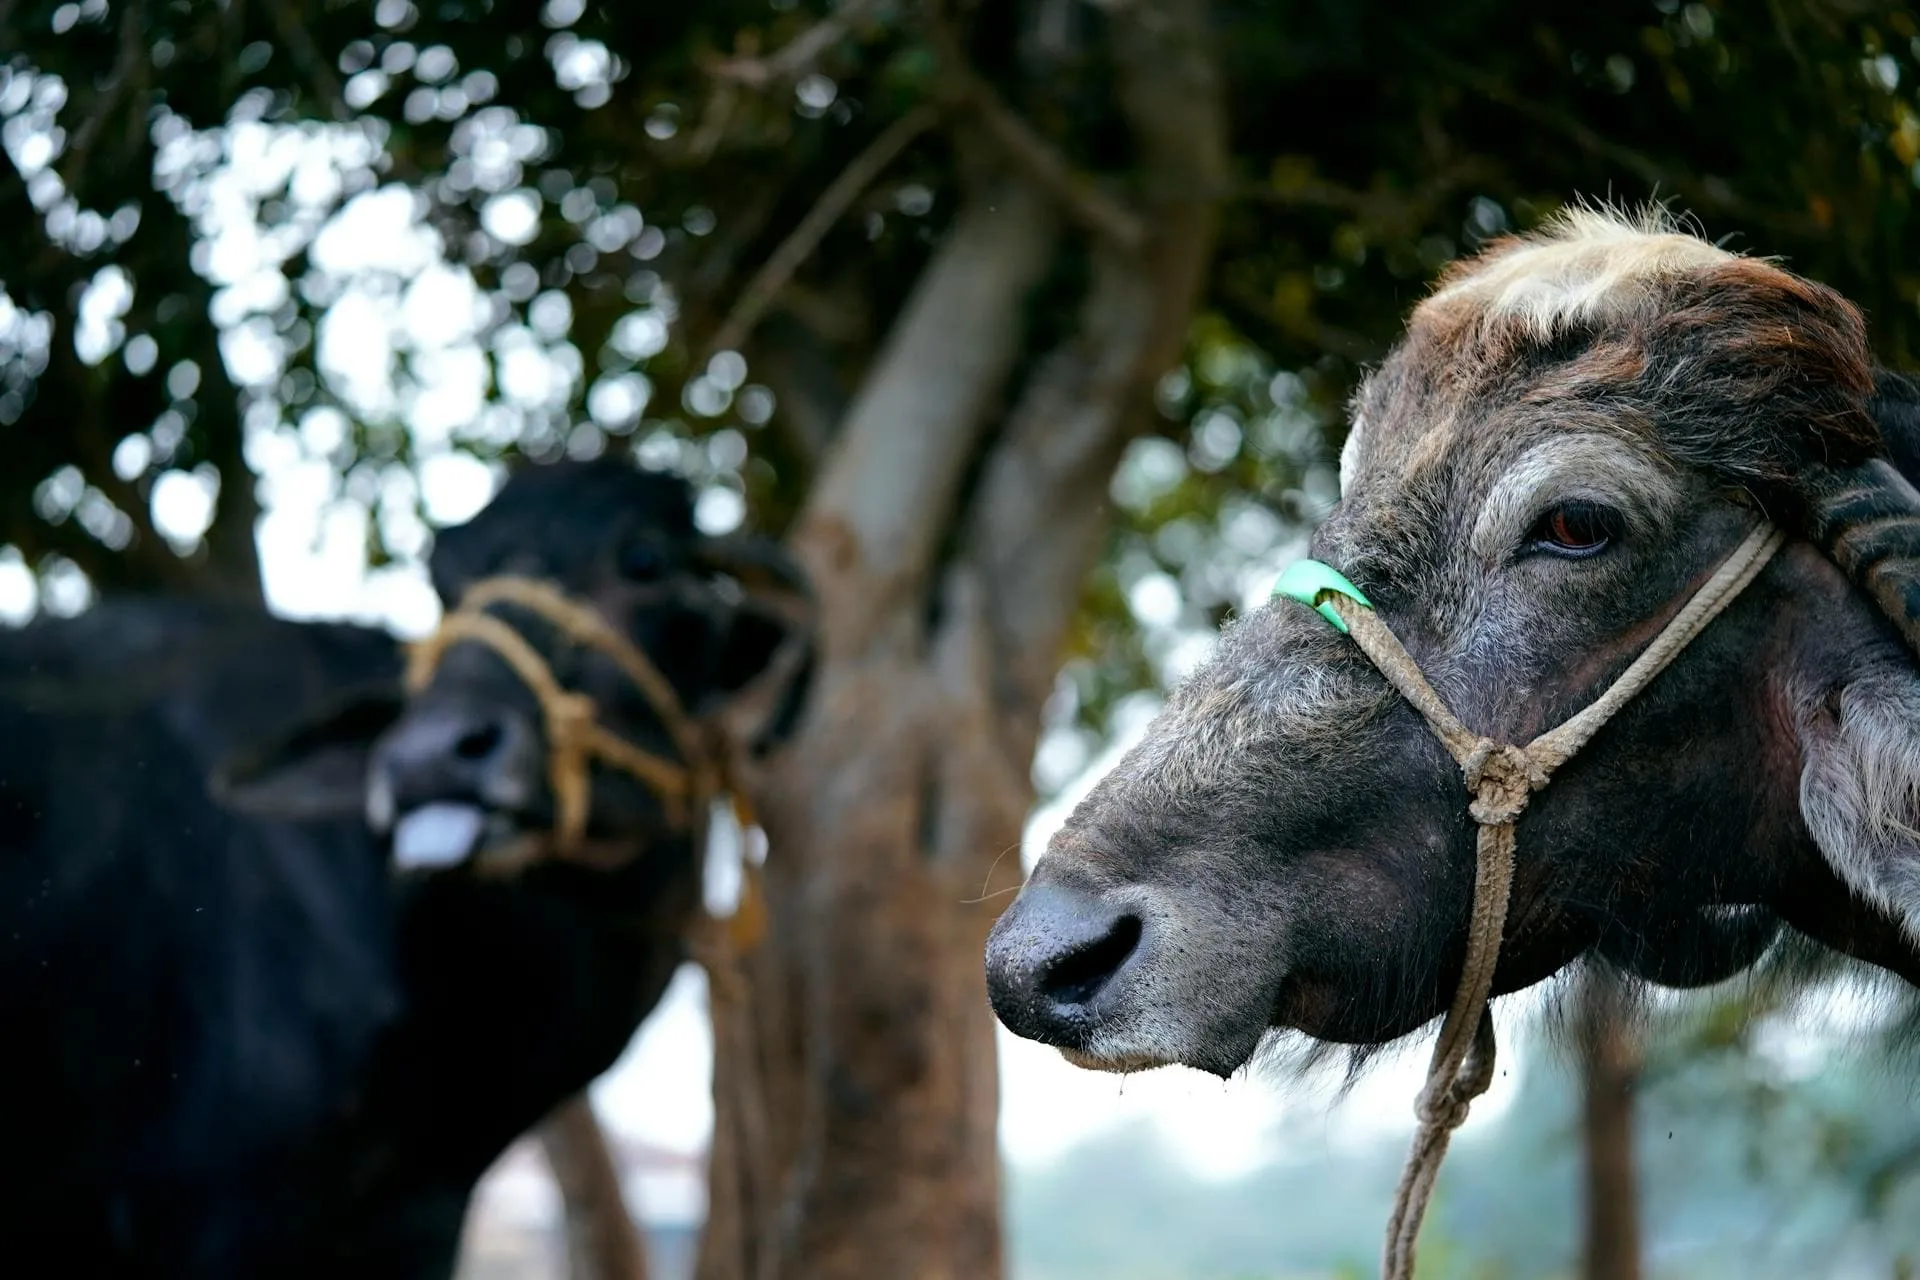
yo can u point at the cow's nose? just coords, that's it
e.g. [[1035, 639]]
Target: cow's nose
[[1050, 956], [446, 752]]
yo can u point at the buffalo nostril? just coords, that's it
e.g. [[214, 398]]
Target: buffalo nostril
[[1077, 977], [478, 743]]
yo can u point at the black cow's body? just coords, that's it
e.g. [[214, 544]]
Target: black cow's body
[[188, 995], [236, 1044]]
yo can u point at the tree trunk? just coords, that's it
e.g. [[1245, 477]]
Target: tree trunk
[[1610, 1061], [602, 1241], [868, 1118], [856, 1092]]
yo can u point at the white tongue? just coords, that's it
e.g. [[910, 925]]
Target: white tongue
[[436, 835]]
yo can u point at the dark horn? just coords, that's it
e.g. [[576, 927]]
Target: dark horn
[[773, 581], [759, 564], [1867, 520]]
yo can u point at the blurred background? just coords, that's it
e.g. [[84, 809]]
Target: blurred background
[[286, 284]]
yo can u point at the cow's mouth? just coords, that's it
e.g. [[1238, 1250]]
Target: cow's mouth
[[447, 834], [1120, 1063], [1130, 980]]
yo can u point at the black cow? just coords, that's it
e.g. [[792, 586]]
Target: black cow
[[237, 1043]]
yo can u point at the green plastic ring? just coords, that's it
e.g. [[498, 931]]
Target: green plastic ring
[[1310, 582]]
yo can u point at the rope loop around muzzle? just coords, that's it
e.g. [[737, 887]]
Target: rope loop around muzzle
[[576, 739], [1501, 778]]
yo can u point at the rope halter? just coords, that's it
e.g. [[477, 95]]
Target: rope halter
[[1501, 779], [575, 737]]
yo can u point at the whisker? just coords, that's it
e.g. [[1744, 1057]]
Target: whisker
[[988, 878], [988, 897]]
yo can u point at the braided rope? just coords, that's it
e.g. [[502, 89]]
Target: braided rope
[[1502, 779], [575, 737]]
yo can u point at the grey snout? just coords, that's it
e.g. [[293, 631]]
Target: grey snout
[[1050, 957], [440, 753]]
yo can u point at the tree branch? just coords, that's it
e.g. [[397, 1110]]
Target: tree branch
[[1610, 1061], [789, 357], [1039, 514], [1240, 300], [602, 1242], [292, 30], [1079, 198], [1380, 211], [1083, 202], [881, 506], [1038, 517], [800, 243], [127, 68], [1642, 166], [795, 58]]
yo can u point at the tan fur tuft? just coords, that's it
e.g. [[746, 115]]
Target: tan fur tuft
[[1588, 265]]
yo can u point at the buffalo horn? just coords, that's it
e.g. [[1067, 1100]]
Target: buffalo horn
[[1867, 520]]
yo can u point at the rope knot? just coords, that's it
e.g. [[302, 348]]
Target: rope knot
[[576, 740], [1447, 1111], [1450, 1090], [571, 720], [1502, 778]]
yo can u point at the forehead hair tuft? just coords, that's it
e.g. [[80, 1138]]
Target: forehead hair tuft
[[1588, 265], [1720, 361]]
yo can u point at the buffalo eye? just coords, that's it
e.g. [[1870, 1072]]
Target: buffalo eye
[[641, 561], [1574, 530]]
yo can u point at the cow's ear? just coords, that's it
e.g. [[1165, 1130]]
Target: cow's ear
[[314, 769], [1860, 788]]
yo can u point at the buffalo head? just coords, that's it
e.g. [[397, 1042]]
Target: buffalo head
[[1575, 430]]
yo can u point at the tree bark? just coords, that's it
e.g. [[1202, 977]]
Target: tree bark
[[602, 1241], [856, 1091], [1610, 1063]]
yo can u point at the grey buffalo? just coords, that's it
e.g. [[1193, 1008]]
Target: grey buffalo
[[1576, 428]]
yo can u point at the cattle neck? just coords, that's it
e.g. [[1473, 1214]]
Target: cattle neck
[[1502, 778]]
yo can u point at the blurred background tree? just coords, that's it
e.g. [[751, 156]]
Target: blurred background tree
[[1029, 321]]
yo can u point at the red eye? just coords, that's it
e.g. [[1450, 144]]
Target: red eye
[[1575, 529], [1571, 531]]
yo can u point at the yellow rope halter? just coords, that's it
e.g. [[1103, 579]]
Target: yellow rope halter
[[575, 737]]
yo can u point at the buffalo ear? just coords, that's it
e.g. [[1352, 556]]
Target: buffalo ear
[[313, 770], [1860, 789]]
